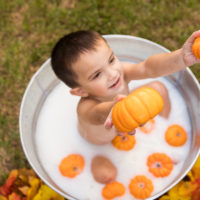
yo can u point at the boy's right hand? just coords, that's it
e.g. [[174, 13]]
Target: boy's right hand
[[188, 56], [108, 123]]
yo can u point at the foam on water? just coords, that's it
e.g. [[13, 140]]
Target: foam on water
[[57, 136]]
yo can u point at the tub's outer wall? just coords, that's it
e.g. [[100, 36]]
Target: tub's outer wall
[[127, 48]]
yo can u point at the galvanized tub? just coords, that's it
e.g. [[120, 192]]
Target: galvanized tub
[[126, 48]]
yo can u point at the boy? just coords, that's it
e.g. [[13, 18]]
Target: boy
[[84, 61]]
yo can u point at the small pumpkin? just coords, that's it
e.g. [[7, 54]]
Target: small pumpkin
[[175, 135], [72, 165], [160, 165], [148, 127], [125, 142], [196, 48], [137, 108], [141, 187], [112, 190]]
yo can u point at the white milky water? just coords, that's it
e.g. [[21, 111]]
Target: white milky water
[[57, 136]]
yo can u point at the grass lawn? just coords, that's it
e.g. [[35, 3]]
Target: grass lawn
[[29, 30]]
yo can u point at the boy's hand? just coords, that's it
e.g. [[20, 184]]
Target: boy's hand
[[108, 123], [188, 56]]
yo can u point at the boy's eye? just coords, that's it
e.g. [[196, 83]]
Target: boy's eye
[[96, 75], [112, 60]]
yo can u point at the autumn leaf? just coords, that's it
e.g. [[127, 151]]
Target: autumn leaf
[[196, 195], [46, 193], [33, 190], [24, 190], [186, 188], [6, 188], [165, 197], [14, 196], [3, 198]]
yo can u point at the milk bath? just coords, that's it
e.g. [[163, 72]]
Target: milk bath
[[57, 136]]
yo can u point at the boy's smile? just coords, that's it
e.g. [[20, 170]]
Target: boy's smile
[[99, 73]]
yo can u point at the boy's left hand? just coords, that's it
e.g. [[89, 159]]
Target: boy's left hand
[[188, 56]]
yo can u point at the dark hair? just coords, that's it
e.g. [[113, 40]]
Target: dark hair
[[66, 52]]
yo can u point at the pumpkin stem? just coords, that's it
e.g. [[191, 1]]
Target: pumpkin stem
[[75, 168], [124, 138], [141, 185], [178, 134], [157, 165]]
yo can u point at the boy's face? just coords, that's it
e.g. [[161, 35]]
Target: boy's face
[[100, 73]]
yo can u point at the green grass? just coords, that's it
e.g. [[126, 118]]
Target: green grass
[[29, 30]]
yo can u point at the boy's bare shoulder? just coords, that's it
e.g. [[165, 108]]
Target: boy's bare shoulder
[[86, 105]]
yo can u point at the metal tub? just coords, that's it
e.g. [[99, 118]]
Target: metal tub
[[127, 48]]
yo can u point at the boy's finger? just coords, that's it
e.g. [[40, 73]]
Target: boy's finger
[[120, 97], [119, 133], [108, 124], [132, 132]]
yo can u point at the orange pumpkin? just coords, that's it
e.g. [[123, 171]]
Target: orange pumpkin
[[160, 165], [196, 48], [141, 187], [175, 135], [72, 165], [137, 108], [112, 190], [148, 127], [125, 142]]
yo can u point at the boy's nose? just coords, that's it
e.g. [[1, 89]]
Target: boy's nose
[[111, 74]]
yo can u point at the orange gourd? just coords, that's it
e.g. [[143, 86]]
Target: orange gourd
[[160, 165], [175, 135], [125, 142], [112, 190], [196, 48], [141, 187], [148, 127], [72, 165], [137, 108]]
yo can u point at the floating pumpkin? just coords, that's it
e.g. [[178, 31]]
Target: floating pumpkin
[[72, 165], [148, 127], [175, 135], [196, 48], [160, 165], [125, 142], [112, 190], [137, 108], [141, 187]]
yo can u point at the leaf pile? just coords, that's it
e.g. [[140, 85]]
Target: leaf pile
[[23, 184], [188, 188]]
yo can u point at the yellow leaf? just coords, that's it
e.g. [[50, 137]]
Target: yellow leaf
[[24, 190], [46, 193], [165, 197], [174, 193], [196, 169], [14, 196], [3, 198], [191, 176], [35, 183], [186, 188], [197, 163], [25, 174]]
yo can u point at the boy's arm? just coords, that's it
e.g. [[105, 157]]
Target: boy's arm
[[93, 111], [163, 64]]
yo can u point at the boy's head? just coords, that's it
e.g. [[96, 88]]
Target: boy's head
[[68, 50], [84, 61]]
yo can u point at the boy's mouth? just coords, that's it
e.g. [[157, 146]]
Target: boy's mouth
[[116, 83]]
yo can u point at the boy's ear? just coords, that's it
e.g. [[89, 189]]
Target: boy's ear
[[78, 92]]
